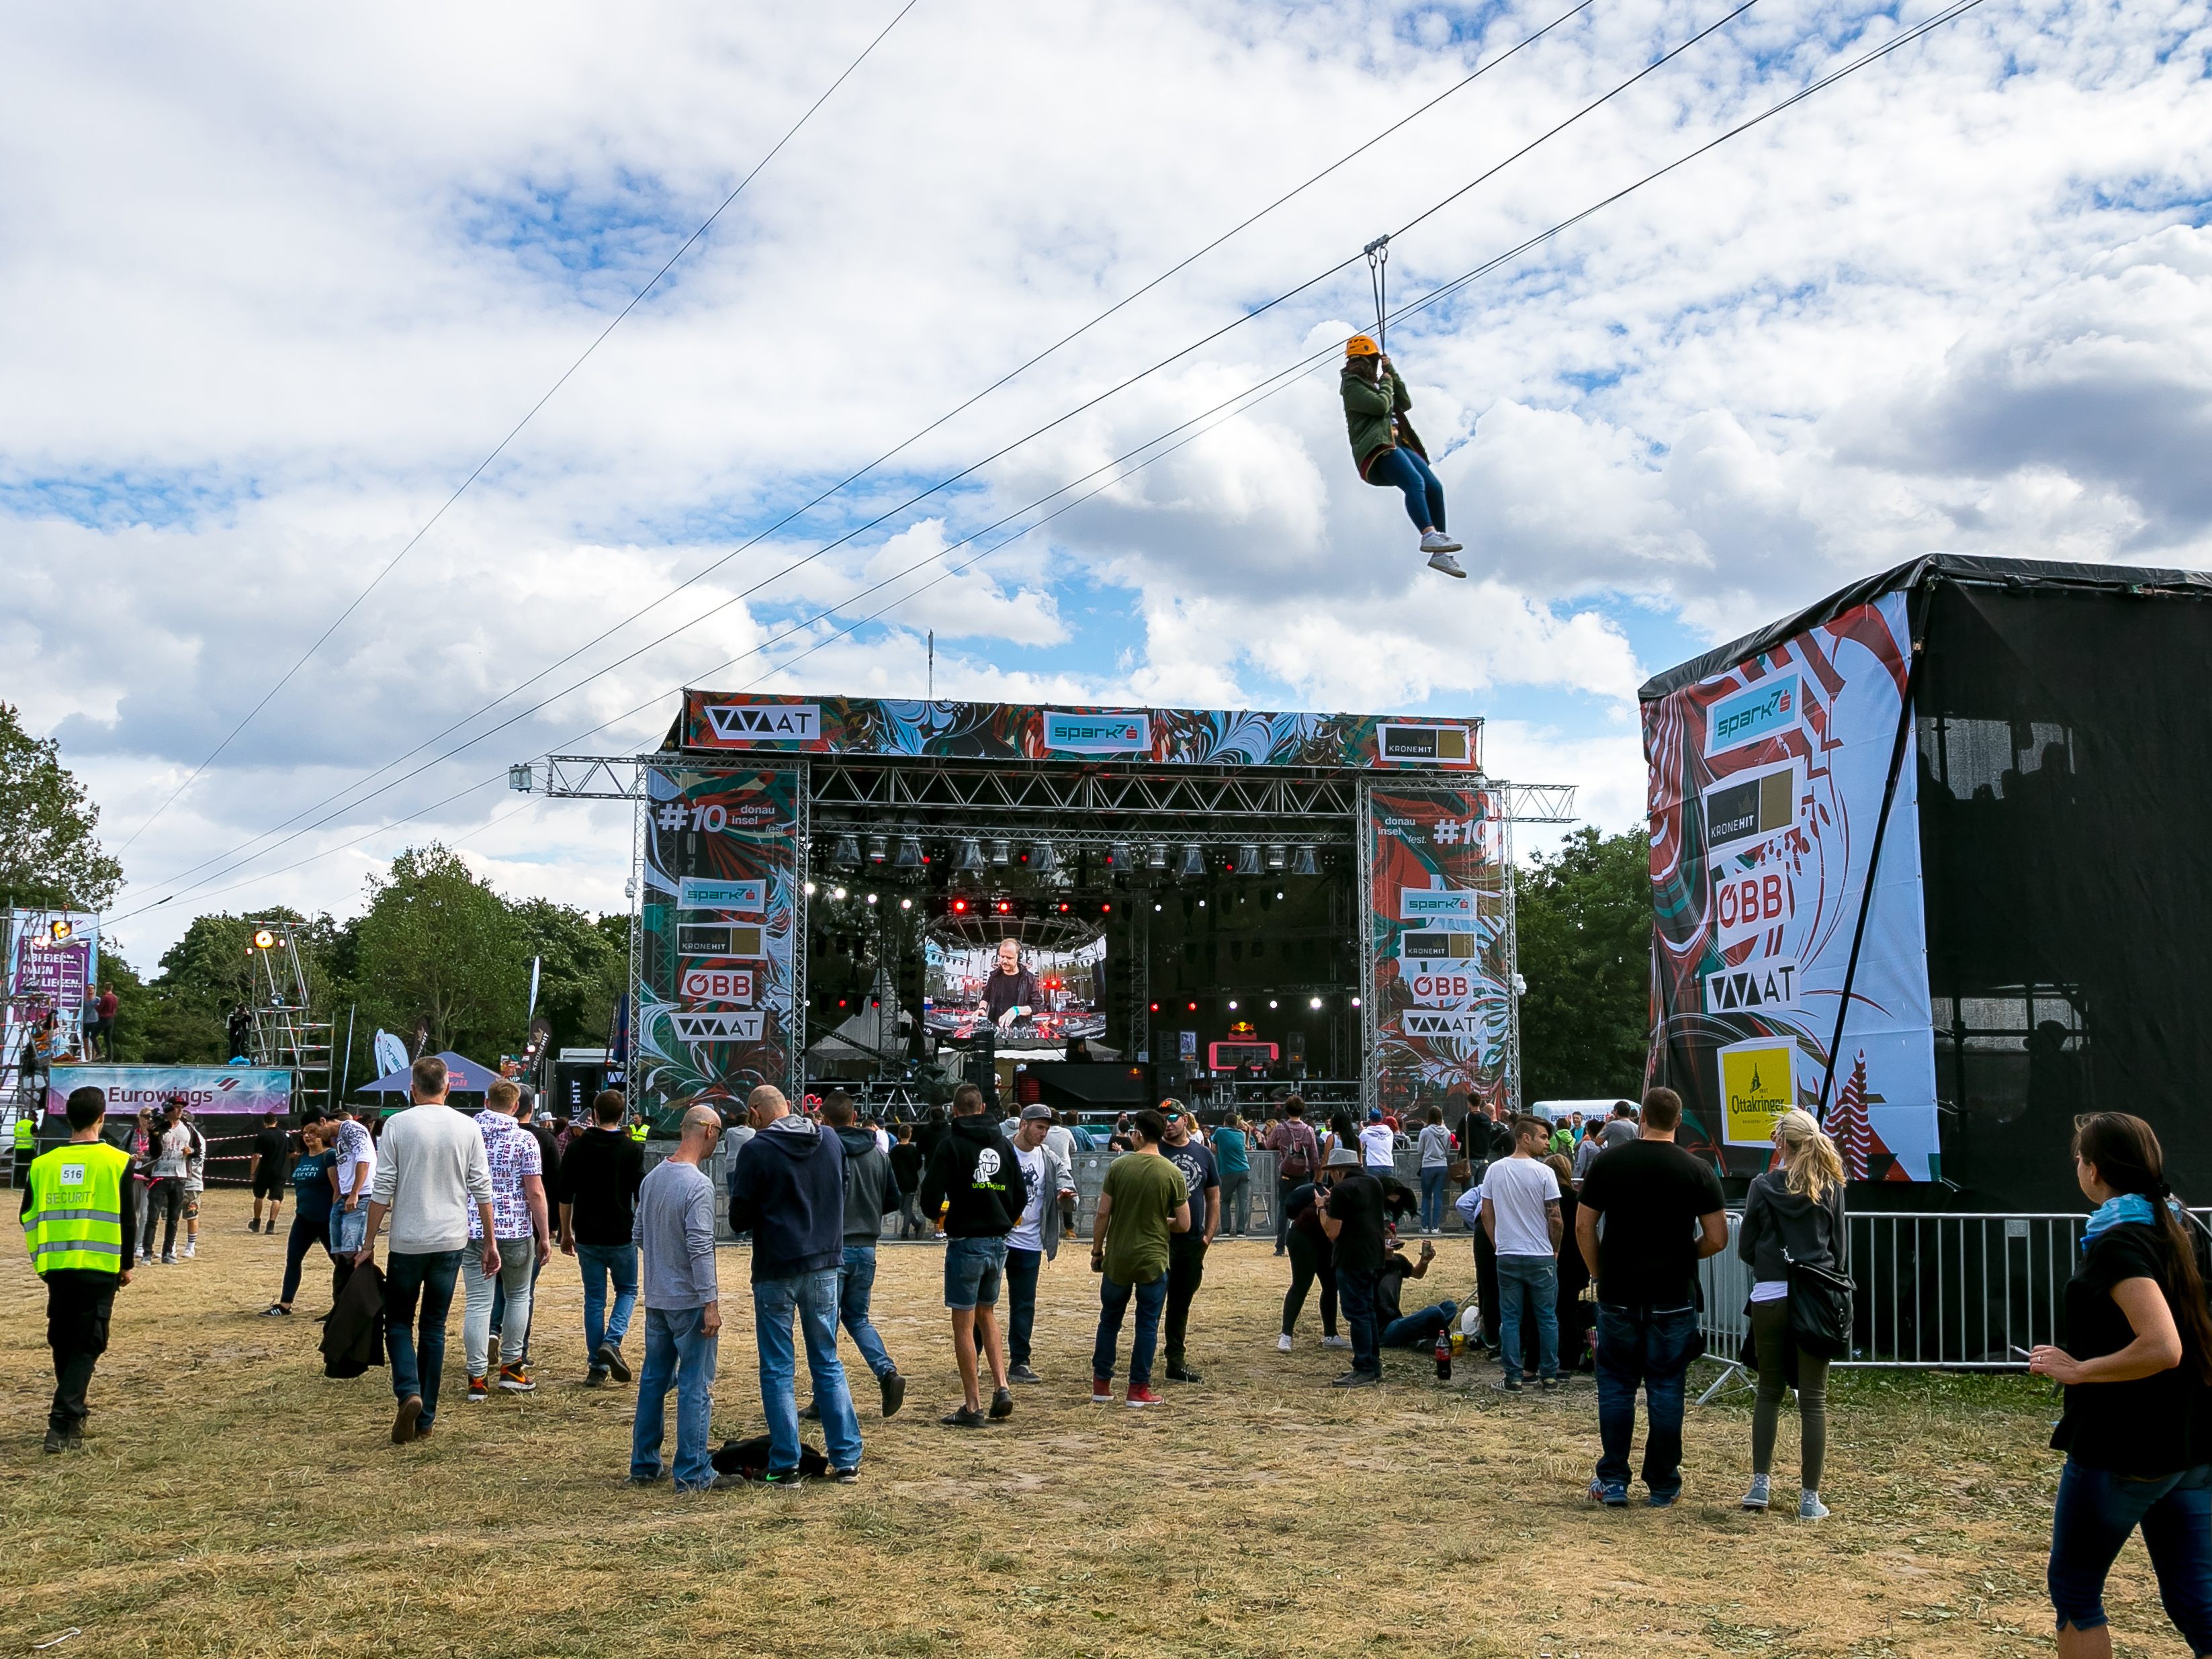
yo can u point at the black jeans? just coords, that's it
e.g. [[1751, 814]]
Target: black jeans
[[1359, 1293], [1486, 1284], [1310, 1261], [78, 1303], [1186, 1273], [164, 1199], [1022, 1269], [1283, 1191], [304, 1233]]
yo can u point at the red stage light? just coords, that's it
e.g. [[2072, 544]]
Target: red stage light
[[1063, 910], [1105, 909], [959, 907], [1193, 1007], [1156, 1007]]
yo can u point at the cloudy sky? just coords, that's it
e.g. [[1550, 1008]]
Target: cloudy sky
[[275, 280]]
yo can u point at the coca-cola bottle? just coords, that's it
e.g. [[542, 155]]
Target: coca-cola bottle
[[1443, 1356]]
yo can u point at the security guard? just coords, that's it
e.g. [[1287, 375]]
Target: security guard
[[27, 1143], [637, 1130], [78, 1225]]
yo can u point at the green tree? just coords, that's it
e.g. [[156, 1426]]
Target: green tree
[[49, 855], [437, 943], [1584, 918], [583, 971]]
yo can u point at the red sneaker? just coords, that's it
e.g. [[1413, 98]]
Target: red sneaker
[[1102, 1391], [1141, 1394]]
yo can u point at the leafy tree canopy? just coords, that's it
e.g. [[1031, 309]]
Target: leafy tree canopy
[[1584, 918], [49, 854]]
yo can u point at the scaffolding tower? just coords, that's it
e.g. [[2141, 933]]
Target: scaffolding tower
[[285, 1031]]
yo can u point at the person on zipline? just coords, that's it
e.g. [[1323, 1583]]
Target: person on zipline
[[1388, 451]]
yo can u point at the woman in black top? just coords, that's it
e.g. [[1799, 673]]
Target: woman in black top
[[1312, 1256], [2137, 1366], [1795, 1214]]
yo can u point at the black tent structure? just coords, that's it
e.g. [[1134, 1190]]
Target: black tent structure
[[1929, 859]]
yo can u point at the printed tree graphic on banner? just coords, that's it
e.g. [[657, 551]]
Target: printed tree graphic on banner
[[1848, 1124]]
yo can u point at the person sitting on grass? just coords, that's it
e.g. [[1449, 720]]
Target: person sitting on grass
[[1417, 1329]]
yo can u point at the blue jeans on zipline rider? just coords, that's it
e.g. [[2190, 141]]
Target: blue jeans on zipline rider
[[1401, 469]]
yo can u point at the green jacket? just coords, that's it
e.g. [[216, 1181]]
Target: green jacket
[[1376, 417]]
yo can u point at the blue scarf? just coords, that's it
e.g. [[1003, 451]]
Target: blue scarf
[[2125, 1207]]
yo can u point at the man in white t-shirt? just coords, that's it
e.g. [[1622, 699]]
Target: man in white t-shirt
[[1378, 1146], [1047, 1176], [1521, 1215]]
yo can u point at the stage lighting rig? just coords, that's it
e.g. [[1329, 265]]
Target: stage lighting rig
[[846, 854], [1044, 860], [264, 940], [909, 854], [1194, 861], [1306, 864], [879, 848], [968, 860], [1248, 860]]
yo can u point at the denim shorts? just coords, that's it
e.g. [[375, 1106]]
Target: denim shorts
[[973, 1268]]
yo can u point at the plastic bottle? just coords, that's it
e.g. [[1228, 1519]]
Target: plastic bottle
[[1443, 1356]]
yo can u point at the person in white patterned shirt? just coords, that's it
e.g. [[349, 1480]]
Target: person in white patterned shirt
[[520, 1228]]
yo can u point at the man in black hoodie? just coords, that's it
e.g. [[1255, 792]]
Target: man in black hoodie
[[871, 1189], [789, 1190], [975, 1178]]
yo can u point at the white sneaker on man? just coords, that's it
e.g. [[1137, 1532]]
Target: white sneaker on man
[[1445, 564], [1336, 1342]]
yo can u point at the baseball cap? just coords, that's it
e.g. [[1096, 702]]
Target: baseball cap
[[1374, 1114], [1037, 1114]]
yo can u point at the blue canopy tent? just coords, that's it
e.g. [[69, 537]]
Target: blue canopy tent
[[463, 1077]]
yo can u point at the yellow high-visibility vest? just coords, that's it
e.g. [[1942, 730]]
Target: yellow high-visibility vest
[[26, 1132], [75, 1217], [637, 1132]]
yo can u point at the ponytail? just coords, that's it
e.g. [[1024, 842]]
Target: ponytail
[[1811, 1163], [2129, 1159]]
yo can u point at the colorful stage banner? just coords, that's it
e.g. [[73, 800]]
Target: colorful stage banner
[[716, 998], [207, 1090], [1766, 787], [1440, 973], [744, 722]]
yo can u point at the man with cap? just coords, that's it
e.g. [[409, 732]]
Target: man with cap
[[1378, 1146], [1352, 1215], [1048, 1179]]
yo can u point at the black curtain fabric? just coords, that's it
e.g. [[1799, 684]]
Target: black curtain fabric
[[2066, 771]]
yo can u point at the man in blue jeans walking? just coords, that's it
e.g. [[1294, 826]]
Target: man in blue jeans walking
[[788, 1191], [430, 1172], [675, 1234], [597, 1184], [1520, 1216], [1649, 1214]]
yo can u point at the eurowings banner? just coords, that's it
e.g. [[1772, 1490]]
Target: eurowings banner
[[1438, 973], [716, 1002], [207, 1090], [1766, 787]]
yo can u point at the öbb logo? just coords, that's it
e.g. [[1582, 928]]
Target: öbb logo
[[1753, 902]]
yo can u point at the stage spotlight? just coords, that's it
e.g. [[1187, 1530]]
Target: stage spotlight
[[1316, 1003], [1305, 864], [1002, 851], [1248, 860], [1271, 1003], [879, 848], [1232, 1004], [1193, 1007], [968, 860], [1117, 856], [1156, 856], [1194, 861], [837, 892], [906, 904], [1355, 1002], [1043, 860], [1004, 907], [1156, 1007], [910, 854], [1105, 909], [264, 940], [60, 929], [871, 898], [847, 854], [1278, 857], [960, 907], [810, 889]]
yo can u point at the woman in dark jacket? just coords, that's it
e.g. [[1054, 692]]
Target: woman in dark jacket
[[1388, 451], [2136, 1367], [1795, 1214], [1312, 1256]]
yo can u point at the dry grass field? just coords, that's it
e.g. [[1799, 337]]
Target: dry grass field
[[230, 1500]]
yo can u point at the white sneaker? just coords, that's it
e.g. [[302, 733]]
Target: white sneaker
[[191, 1250], [1283, 1343], [1435, 541], [1444, 562], [1336, 1342]]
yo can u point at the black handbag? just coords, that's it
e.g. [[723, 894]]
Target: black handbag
[[1820, 1308]]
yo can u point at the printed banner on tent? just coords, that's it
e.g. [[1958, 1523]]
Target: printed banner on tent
[[1438, 976], [241, 1090], [715, 997], [1767, 784]]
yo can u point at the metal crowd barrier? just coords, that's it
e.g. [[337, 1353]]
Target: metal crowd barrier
[[1952, 1291]]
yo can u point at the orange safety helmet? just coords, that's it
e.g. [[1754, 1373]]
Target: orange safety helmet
[[1360, 346]]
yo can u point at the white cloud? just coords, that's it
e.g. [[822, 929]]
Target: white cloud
[[272, 283]]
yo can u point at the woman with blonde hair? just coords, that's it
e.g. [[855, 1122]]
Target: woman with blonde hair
[[1792, 1213]]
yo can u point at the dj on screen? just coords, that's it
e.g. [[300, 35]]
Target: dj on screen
[[1010, 992]]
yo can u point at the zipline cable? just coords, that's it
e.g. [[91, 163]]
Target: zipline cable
[[946, 483], [1261, 389], [754, 540], [499, 449]]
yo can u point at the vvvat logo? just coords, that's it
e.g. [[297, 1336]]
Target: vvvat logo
[[1098, 734], [766, 722], [1768, 707]]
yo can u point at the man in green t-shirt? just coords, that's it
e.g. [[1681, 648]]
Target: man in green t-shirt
[[1145, 1199]]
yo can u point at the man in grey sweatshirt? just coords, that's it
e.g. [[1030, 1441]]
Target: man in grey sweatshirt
[[430, 1172], [675, 1234]]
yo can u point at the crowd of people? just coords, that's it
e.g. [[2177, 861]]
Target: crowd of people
[[1587, 1239]]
